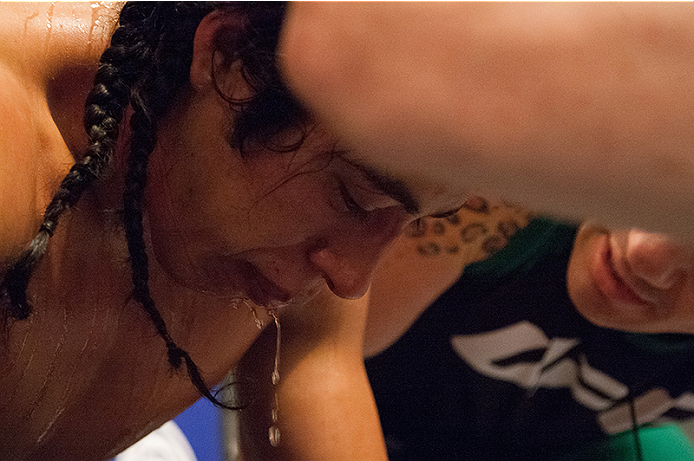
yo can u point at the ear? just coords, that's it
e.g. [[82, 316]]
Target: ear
[[205, 59]]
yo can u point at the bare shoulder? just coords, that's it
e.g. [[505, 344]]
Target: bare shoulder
[[428, 258], [43, 36], [41, 46]]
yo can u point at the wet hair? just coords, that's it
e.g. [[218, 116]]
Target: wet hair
[[146, 67]]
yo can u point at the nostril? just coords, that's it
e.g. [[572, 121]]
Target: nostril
[[330, 283], [347, 277]]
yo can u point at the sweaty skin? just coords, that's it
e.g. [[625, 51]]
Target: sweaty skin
[[86, 375], [87, 348]]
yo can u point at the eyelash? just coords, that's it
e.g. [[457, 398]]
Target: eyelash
[[447, 213], [351, 204]]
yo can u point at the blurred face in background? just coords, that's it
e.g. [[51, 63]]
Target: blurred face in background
[[632, 280]]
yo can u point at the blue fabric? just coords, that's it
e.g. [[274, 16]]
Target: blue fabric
[[202, 425]]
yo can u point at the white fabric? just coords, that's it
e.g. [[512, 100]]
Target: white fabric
[[168, 443]]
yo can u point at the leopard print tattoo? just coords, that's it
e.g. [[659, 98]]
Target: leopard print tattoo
[[479, 227]]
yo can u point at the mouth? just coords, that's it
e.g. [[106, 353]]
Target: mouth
[[241, 279], [260, 289], [610, 282]]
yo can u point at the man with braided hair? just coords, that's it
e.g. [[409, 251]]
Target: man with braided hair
[[202, 204], [202, 192]]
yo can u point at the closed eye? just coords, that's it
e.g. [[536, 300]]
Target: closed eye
[[447, 213], [350, 203]]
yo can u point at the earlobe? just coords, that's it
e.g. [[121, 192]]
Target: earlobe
[[206, 70]]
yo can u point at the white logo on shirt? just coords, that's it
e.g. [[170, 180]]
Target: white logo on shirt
[[524, 355]]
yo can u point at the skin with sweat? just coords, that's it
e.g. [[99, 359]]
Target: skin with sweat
[[86, 376]]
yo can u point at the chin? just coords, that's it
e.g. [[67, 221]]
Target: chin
[[602, 312], [601, 316]]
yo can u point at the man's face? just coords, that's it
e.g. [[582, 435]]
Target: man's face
[[270, 225], [632, 280]]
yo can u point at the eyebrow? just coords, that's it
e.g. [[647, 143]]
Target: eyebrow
[[393, 188]]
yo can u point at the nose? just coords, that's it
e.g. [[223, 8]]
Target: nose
[[657, 259], [347, 258]]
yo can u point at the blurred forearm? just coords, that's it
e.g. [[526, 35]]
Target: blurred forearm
[[584, 109]]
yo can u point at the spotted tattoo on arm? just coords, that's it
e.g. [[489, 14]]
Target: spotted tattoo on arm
[[476, 231]]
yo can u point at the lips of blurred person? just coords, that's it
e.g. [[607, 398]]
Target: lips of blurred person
[[632, 280]]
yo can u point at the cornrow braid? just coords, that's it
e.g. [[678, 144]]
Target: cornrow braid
[[149, 101]]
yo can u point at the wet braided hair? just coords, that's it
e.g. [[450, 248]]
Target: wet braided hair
[[146, 66]]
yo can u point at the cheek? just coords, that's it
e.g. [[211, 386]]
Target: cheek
[[297, 211], [584, 298], [578, 271], [682, 318]]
